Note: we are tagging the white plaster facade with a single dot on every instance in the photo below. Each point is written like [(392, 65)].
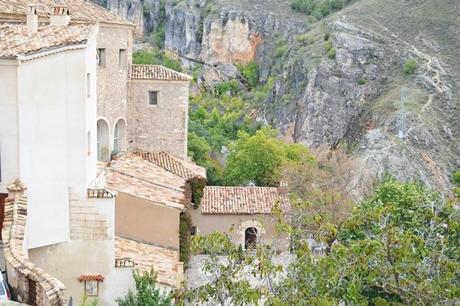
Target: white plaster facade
[(46, 118)]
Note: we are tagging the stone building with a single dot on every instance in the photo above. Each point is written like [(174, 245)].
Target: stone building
[(69, 95), (243, 213)]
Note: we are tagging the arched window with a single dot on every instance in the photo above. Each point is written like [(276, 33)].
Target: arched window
[(119, 136), (103, 151), (250, 238)]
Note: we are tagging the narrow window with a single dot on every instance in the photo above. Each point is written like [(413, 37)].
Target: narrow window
[(101, 57), (193, 231), (153, 97), (88, 139), (116, 139), (122, 58), (88, 85)]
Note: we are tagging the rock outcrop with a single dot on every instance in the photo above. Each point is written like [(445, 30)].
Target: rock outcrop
[(360, 98)]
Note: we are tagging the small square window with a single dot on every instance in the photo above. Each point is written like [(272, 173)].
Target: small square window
[(91, 287), (101, 57), (193, 231), (122, 58), (153, 97)]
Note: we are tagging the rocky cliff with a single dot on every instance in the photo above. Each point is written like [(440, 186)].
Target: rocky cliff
[(356, 96)]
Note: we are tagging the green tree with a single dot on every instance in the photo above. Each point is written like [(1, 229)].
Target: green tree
[(155, 56), (259, 158), (146, 294), (400, 246)]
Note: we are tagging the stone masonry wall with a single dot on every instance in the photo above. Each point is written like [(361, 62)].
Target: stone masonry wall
[(112, 79), (161, 127), (23, 275), (86, 223)]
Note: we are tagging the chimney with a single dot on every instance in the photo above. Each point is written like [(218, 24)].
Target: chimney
[(32, 19), (60, 16)]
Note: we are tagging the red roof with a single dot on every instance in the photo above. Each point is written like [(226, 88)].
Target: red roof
[(180, 168), (243, 200), (91, 277)]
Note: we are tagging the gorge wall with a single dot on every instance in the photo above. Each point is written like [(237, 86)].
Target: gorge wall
[(351, 99)]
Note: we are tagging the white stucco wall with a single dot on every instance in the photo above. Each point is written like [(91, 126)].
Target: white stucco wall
[(9, 161), (46, 116)]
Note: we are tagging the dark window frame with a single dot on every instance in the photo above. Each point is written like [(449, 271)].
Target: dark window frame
[(153, 97)]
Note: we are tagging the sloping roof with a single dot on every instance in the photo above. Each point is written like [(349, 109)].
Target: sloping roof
[(156, 72), (179, 167), (80, 11), (243, 200), (15, 41), (147, 256), (136, 176)]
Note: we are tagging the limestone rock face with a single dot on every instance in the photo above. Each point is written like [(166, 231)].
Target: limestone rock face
[(351, 99)]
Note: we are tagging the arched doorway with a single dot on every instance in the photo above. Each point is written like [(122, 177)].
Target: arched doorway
[(119, 136), (103, 151), (250, 238)]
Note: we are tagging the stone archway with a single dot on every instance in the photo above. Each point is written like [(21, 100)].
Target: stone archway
[(256, 230), (250, 238), (119, 136), (103, 144)]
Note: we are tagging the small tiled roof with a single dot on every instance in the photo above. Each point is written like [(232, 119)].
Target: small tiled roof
[(243, 200), (136, 176), (80, 11), (156, 72), (91, 277), (146, 256), (15, 41), (181, 168)]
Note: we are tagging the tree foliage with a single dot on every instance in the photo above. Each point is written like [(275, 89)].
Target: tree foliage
[(259, 158), (318, 8), (410, 66), (155, 56), (400, 246), (146, 294)]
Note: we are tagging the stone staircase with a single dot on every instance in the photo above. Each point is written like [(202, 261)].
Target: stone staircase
[(86, 222)]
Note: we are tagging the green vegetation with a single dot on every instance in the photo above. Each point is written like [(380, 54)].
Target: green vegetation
[(362, 81), (331, 53), (260, 157), (250, 72), (410, 66), (86, 301), (185, 228), (456, 181), (318, 8), (399, 246), (155, 56), (216, 119), (146, 294)]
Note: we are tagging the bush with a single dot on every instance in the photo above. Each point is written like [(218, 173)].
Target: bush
[(147, 293), (250, 72), (456, 178), (280, 51), (155, 56), (185, 227), (331, 53), (362, 81), (318, 8), (410, 66), (328, 45)]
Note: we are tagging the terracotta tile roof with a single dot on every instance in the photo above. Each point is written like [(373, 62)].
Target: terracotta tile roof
[(147, 256), (242, 200), (91, 277), (136, 176), (15, 41), (179, 167), (80, 11), (156, 72)]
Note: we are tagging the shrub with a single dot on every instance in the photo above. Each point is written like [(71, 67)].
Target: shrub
[(331, 53), (185, 227), (326, 36), (155, 56), (362, 81), (456, 178), (410, 66), (250, 72), (227, 87), (327, 45), (281, 51)]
